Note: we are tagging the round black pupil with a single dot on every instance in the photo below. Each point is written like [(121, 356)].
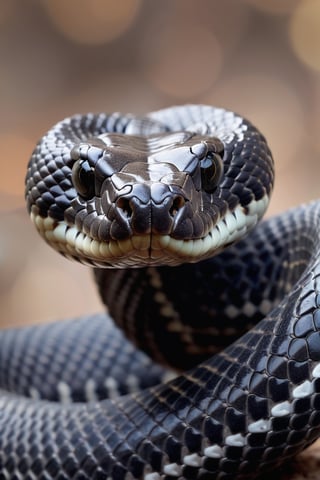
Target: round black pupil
[(85, 173), (208, 173), (85, 181), (208, 167)]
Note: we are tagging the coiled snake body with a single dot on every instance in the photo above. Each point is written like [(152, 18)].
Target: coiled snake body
[(166, 193)]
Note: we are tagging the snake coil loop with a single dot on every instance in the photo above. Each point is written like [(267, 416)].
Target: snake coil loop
[(150, 202)]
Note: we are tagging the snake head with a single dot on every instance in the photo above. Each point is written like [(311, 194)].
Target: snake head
[(118, 199)]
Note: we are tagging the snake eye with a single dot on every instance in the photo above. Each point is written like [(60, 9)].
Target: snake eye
[(211, 170), (83, 179)]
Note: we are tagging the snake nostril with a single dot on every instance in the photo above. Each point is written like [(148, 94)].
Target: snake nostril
[(177, 204), (124, 205)]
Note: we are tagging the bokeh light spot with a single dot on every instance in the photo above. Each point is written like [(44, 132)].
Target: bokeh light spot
[(272, 105), (37, 280), (92, 22), (7, 11), (184, 62), (15, 153), (304, 31), (275, 7)]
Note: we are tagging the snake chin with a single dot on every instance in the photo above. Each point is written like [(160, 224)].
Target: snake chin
[(149, 250)]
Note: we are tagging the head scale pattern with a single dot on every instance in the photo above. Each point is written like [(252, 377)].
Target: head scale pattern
[(117, 190)]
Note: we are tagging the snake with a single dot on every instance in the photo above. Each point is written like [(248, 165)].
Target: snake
[(206, 363)]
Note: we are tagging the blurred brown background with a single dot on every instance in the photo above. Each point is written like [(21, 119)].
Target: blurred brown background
[(257, 57)]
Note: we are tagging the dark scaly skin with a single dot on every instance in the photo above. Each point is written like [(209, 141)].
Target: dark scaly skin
[(147, 182), (243, 411)]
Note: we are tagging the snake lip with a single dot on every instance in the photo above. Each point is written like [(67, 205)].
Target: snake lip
[(141, 250)]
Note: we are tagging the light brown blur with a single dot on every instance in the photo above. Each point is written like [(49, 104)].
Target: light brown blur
[(259, 58)]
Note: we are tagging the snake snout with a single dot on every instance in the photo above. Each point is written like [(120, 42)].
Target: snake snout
[(148, 210), (128, 206)]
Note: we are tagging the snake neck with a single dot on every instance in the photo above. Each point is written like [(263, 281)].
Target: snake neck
[(180, 316)]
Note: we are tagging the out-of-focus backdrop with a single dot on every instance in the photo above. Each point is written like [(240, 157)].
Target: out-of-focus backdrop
[(260, 58)]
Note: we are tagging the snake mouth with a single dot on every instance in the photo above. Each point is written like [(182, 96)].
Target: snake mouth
[(149, 250)]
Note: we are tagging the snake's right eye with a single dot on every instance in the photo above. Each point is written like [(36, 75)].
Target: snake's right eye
[(83, 179), (211, 171)]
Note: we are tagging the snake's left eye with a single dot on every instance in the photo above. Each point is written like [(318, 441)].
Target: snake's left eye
[(211, 171), (83, 179)]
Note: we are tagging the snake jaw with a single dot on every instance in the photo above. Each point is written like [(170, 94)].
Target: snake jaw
[(149, 250)]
